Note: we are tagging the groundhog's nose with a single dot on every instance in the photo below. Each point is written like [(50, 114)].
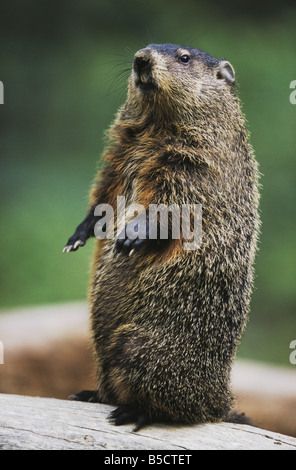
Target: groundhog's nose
[(143, 71), (142, 63)]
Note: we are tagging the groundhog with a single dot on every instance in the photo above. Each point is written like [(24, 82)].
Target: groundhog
[(166, 321)]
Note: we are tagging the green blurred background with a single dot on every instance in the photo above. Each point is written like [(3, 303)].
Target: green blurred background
[(64, 65)]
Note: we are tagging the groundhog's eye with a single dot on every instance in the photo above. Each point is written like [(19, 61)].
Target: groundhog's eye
[(185, 59)]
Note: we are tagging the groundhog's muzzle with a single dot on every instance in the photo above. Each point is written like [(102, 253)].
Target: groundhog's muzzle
[(143, 67)]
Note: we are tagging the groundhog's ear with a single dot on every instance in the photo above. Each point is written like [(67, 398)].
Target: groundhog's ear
[(225, 71)]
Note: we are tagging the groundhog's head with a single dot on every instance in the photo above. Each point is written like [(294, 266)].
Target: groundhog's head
[(174, 78)]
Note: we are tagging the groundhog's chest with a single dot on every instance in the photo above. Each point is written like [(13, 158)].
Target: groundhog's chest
[(161, 173)]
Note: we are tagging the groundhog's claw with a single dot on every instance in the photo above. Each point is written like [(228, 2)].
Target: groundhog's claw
[(84, 395), (74, 247), (128, 246), (128, 413)]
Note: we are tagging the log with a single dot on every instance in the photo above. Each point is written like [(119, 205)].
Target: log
[(34, 423)]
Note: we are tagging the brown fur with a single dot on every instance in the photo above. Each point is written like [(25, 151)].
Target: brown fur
[(166, 323)]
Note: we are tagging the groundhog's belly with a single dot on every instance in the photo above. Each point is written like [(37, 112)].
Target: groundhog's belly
[(128, 289)]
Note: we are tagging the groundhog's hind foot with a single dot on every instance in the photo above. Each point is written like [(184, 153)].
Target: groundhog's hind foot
[(85, 395), (239, 418), (127, 414)]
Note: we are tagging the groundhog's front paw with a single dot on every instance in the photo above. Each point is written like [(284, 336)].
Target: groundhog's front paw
[(129, 246), (82, 233), (74, 242)]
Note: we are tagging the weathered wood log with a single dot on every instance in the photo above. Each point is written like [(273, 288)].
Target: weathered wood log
[(33, 423)]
